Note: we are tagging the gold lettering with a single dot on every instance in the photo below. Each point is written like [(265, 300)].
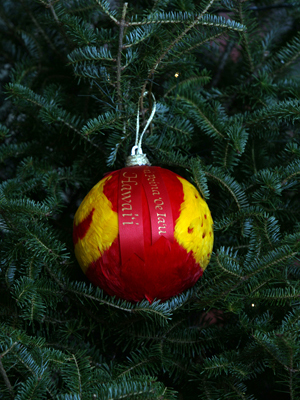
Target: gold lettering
[(161, 220), (159, 204), (160, 231), (125, 174), (125, 187), (125, 199), (128, 223), (129, 178), (161, 215), (126, 195), (159, 200), (126, 207), (134, 182)]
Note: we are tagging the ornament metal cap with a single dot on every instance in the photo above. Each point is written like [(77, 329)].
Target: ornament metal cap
[(138, 158)]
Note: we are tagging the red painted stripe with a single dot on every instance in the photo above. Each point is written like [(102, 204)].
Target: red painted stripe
[(81, 229)]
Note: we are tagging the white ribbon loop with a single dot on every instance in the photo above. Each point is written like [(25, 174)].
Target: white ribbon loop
[(137, 156), (138, 140), (133, 151)]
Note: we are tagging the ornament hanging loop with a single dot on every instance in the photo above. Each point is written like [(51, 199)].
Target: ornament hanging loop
[(136, 150), (137, 156)]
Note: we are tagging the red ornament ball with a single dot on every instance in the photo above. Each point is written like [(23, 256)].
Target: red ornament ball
[(143, 233)]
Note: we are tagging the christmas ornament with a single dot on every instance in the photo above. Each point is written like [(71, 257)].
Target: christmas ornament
[(143, 232)]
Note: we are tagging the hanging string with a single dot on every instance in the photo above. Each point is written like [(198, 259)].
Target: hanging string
[(137, 156)]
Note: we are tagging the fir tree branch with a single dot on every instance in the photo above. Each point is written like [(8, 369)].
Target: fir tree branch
[(295, 56), (279, 294), (186, 18), (78, 374), (227, 270), (146, 361), (265, 228), (253, 158), (226, 155), (50, 5), (286, 65), (6, 379), (57, 114), (207, 121), (286, 110), (60, 25), (90, 53), (178, 39), (118, 306), (261, 8), (119, 66), (272, 263), (221, 181), (107, 12), (263, 344), (287, 178), (222, 63), (156, 3), (79, 10), (12, 31), (208, 39), (191, 80), (245, 37), (40, 29)]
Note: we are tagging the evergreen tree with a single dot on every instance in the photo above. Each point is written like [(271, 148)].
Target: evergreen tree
[(225, 75)]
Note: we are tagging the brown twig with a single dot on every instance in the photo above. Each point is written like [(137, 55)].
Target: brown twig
[(60, 25), (6, 380), (119, 67), (38, 26)]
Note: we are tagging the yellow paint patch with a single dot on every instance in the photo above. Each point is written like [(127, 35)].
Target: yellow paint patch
[(194, 227), (103, 229)]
